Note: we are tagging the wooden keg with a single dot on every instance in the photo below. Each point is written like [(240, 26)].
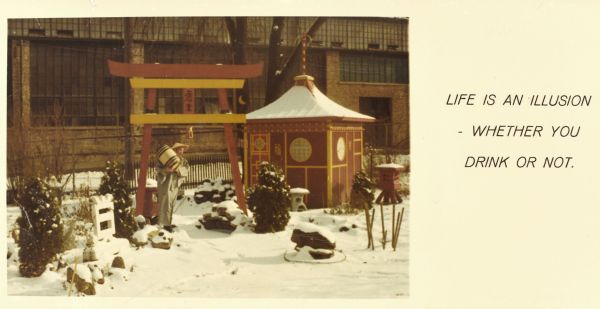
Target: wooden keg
[(168, 158)]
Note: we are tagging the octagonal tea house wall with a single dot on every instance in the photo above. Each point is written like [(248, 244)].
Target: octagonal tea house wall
[(316, 142)]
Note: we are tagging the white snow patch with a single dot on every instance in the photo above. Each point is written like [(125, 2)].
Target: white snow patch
[(165, 238), (303, 253), (151, 183), (83, 272), (140, 219), (141, 236), (201, 258)]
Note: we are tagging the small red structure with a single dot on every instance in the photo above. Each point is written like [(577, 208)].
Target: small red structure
[(316, 142), (389, 183)]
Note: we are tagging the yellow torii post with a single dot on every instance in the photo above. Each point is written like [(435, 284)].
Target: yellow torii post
[(186, 76)]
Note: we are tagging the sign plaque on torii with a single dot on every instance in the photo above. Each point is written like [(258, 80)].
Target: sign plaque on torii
[(187, 77)]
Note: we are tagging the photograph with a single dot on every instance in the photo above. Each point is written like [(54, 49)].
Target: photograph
[(208, 156)]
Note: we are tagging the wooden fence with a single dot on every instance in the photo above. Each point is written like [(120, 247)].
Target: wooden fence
[(202, 166)]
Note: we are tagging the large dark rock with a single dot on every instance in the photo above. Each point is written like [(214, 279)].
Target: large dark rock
[(218, 223), (204, 192), (118, 262), (321, 254), (81, 284), (224, 217), (312, 239)]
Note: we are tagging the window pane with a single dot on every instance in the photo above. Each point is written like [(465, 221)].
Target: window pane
[(373, 68)]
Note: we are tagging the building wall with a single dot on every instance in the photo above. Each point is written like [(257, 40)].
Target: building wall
[(349, 94), (168, 39)]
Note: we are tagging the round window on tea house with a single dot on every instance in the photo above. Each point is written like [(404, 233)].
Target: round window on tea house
[(300, 149), (341, 149)]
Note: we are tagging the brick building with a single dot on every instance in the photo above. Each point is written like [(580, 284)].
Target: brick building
[(58, 77)]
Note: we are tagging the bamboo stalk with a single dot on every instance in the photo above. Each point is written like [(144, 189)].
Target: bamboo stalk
[(371, 231), (393, 221), (368, 220), (397, 230), (383, 231), (395, 235), (72, 279)]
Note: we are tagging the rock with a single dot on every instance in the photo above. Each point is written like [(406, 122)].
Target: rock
[(308, 234), (97, 275), (229, 194), (321, 254), (199, 198), (118, 262), (141, 221), (15, 234), (344, 229), (216, 198), (89, 254), (154, 220), (62, 263), (161, 240), (226, 217), (10, 248), (218, 223), (82, 279), (203, 192), (140, 237)]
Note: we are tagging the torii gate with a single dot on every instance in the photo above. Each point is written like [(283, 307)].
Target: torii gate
[(186, 76)]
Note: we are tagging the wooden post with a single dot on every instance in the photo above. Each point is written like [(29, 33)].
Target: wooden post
[(231, 151), (146, 143)]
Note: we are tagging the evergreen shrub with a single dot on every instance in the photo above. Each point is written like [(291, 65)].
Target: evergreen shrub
[(269, 200), (113, 182), (40, 227)]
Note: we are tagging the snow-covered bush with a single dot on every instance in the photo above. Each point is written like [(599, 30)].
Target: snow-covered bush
[(269, 200), (362, 191), (114, 182), (41, 228)]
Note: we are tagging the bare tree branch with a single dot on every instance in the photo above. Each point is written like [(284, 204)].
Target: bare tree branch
[(273, 83), (276, 76)]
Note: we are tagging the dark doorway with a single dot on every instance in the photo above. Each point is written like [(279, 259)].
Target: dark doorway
[(379, 133)]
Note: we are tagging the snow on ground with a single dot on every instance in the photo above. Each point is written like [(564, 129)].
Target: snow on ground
[(203, 263)]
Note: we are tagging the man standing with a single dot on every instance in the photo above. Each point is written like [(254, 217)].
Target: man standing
[(169, 181)]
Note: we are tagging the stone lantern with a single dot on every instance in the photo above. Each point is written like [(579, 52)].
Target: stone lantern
[(389, 183)]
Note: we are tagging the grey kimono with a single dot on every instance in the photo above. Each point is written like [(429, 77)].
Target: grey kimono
[(168, 186)]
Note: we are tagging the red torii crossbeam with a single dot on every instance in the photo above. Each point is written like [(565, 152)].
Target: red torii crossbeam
[(185, 76)]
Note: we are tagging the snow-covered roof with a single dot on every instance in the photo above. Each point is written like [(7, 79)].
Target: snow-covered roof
[(305, 100)]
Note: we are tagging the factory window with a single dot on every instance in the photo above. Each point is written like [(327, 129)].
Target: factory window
[(374, 68), (71, 86)]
